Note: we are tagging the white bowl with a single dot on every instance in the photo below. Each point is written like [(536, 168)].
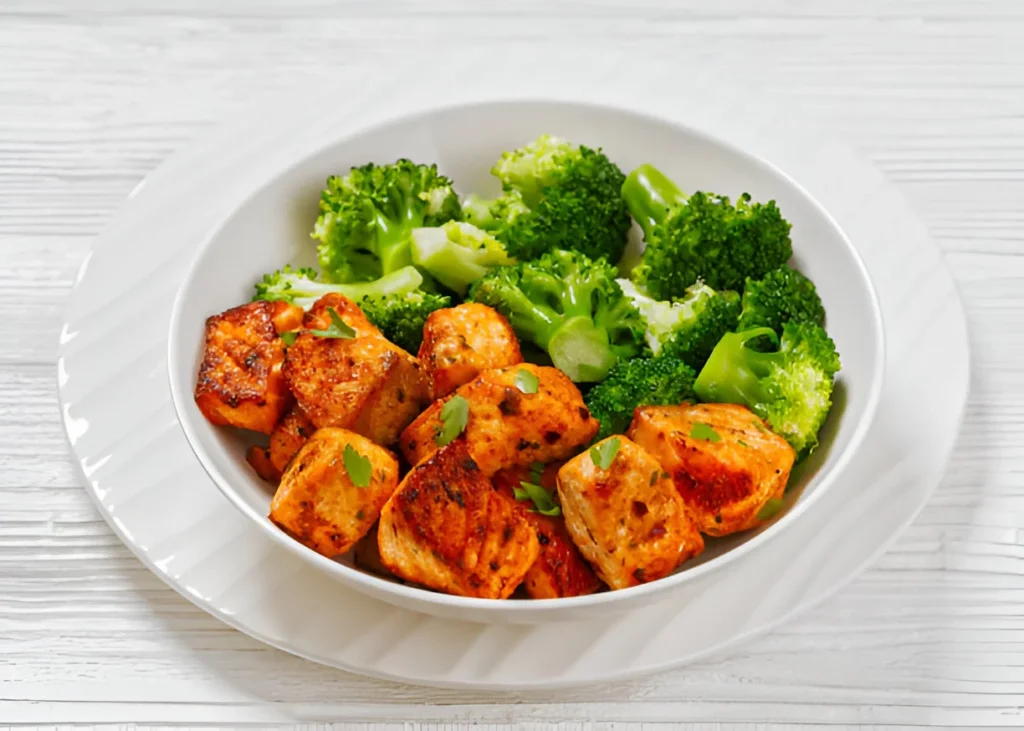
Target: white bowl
[(272, 227)]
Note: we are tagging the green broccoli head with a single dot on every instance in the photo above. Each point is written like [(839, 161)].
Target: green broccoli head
[(571, 307), (366, 217), (686, 328), (790, 387), (701, 237), (556, 195), (400, 317), (782, 295), (301, 286), (456, 254), (658, 381)]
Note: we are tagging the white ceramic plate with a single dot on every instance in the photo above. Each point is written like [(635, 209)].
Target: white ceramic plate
[(121, 425)]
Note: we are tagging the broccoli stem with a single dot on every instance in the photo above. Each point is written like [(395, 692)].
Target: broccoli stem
[(649, 195), (581, 350), (733, 373)]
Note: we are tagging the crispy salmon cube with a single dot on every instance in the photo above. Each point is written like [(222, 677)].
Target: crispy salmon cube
[(321, 503), (240, 382), (460, 342), (288, 437), (560, 570), (259, 459), (361, 383), (448, 529), (627, 519), (508, 427), (725, 463)]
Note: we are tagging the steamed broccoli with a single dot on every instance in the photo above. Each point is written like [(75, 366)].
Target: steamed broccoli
[(400, 317), (639, 382), (687, 328), (556, 195), (791, 387), (457, 254), (701, 237), (782, 295), (569, 305), (301, 287), (366, 217)]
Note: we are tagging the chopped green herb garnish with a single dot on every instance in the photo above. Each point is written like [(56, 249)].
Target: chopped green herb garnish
[(357, 466), (536, 470), (338, 329), (289, 337), (543, 501), (654, 478), (770, 509), (526, 382), (705, 432), (603, 454), (760, 426), (742, 443), (454, 415), (360, 515)]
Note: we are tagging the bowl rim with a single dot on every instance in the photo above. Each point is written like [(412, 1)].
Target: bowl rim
[(372, 585)]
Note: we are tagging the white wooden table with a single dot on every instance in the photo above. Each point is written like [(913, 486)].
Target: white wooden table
[(95, 93)]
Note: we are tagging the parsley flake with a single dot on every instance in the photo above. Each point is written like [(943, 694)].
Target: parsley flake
[(770, 509), (357, 466), (603, 454), (705, 432), (526, 382), (454, 415), (543, 501), (289, 337), (338, 329)]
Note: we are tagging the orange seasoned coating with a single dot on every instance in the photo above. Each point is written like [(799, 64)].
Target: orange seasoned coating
[(726, 470), (363, 383), (318, 502), (240, 381), (259, 459), (507, 427), (448, 529), (460, 342), (627, 520), (288, 437), (560, 570)]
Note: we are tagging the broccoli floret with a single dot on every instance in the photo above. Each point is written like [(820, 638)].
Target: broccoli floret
[(366, 217), (457, 254), (639, 382), (400, 317), (569, 305), (556, 195), (783, 294), (790, 387), (701, 237), (301, 287), (687, 328)]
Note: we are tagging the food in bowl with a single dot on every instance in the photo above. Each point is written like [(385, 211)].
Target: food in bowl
[(481, 397)]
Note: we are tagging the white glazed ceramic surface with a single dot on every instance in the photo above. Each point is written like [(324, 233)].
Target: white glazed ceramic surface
[(272, 227), (138, 466)]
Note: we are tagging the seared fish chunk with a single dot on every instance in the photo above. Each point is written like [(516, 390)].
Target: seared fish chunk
[(627, 520), (560, 570), (448, 529), (259, 459), (288, 437), (363, 383), (460, 342), (508, 426), (240, 381), (723, 459), (325, 506)]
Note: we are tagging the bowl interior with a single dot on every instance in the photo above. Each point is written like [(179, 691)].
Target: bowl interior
[(271, 228)]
